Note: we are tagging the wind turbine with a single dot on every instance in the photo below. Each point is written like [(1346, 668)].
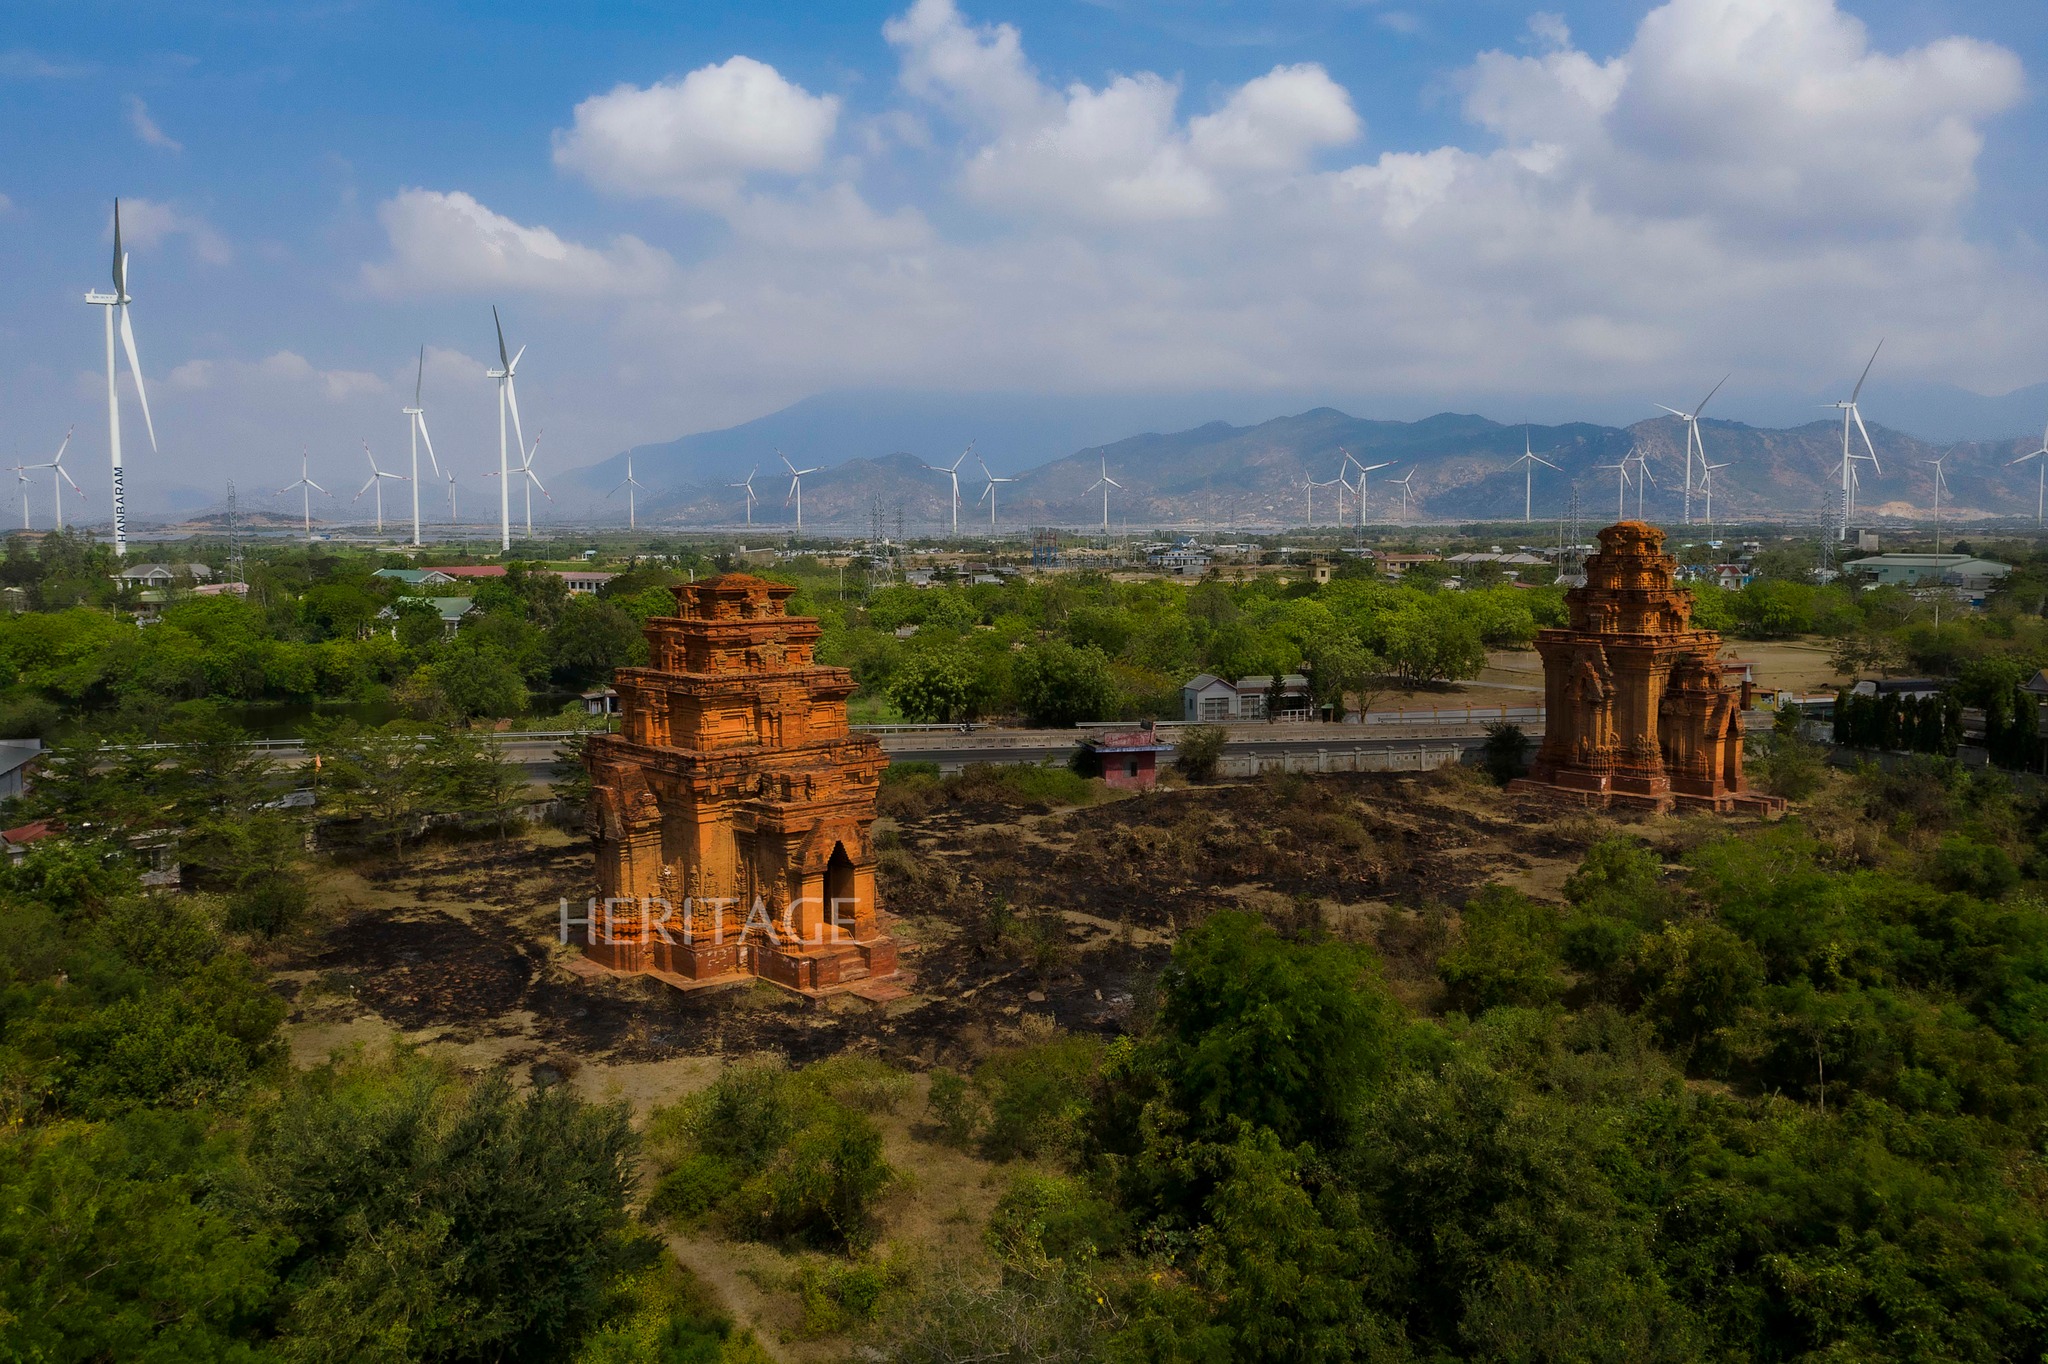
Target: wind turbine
[(508, 397), (59, 476), (952, 471), (2041, 482), (451, 497), (1643, 479), (1403, 482), (1621, 486), (419, 433), (748, 484), (1105, 483), (1363, 470), (1529, 460), (796, 487), (1940, 486), (531, 480), (631, 485), (376, 480), (21, 487), (1850, 412), (307, 487), (117, 302), (1707, 486), (1311, 485), (990, 491), (1693, 439)]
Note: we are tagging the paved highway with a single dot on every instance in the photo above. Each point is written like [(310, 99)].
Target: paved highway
[(1390, 740)]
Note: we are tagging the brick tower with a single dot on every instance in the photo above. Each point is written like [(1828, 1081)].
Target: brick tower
[(733, 811), (1636, 709)]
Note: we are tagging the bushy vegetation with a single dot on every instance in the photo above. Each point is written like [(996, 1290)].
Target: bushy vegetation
[(912, 789), (790, 1156), (312, 628), (170, 1190), (1778, 1099)]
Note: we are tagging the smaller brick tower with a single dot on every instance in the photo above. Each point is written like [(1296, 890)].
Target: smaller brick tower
[(1635, 707), (733, 812)]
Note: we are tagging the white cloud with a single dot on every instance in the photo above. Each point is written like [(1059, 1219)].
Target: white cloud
[(450, 243), (698, 138), (146, 128), (283, 370), (148, 223), (1114, 154), (1595, 234), (1770, 116), (1276, 122)]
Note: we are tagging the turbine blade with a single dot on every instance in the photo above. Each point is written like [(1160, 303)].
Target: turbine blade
[(512, 401), (1711, 392), (135, 368), (419, 378), (504, 361), (120, 256), (1857, 413), (421, 418), (1866, 371), (1682, 416)]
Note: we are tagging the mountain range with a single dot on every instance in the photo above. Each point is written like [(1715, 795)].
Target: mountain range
[(1218, 474)]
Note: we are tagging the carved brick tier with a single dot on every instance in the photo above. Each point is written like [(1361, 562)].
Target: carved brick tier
[(1636, 709), (736, 798)]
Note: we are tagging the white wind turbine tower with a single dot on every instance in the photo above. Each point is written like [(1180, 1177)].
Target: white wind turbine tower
[(59, 476), (631, 485), (307, 487), (1529, 460), (419, 433), (990, 491), (1693, 439), (1105, 483), (21, 488), (1621, 486), (748, 484), (376, 480), (796, 487), (451, 497), (1850, 412), (117, 302), (1403, 482), (952, 472), (2041, 482), (1363, 470), (508, 397)]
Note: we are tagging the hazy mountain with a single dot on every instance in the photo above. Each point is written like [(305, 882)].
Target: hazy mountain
[(1255, 475)]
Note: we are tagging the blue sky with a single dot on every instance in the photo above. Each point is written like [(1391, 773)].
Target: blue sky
[(696, 213)]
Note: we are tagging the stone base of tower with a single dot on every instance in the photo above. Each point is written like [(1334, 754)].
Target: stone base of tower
[(814, 970), (1599, 790)]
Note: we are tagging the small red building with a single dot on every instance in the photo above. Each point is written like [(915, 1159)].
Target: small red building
[(1130, 759)]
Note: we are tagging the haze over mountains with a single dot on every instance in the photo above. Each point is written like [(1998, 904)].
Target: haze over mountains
[(1220, 474)]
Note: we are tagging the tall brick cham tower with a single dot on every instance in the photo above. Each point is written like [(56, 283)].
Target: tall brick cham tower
[(1636, 709), (735, 790)]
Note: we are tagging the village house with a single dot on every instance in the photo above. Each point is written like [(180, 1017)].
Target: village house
[(1209, 699)]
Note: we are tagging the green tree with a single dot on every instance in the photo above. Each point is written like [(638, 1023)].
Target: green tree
[(933, 686), (433, 1219), (1058, 684)]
